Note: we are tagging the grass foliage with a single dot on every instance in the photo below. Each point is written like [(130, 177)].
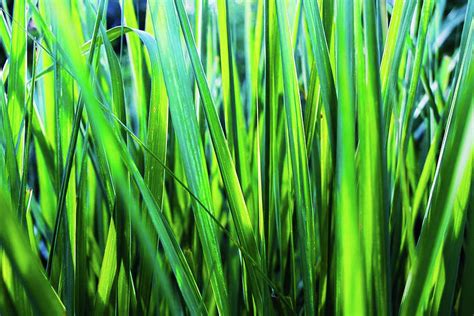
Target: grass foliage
[(237, 157)]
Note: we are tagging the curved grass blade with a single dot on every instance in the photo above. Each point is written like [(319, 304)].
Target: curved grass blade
[(25, 264)]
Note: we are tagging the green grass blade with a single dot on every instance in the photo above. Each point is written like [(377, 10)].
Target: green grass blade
[(25, 265), (17, 75), (319, 44), (373, 201), (5, 33), (350, 289)]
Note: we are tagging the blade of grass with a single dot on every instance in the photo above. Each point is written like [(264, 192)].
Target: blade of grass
[(350, 289), (373, 200), (319, 44), (25, 265), (17, 76)]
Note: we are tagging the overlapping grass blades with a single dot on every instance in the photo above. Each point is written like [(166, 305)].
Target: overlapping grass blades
[(257, 157)]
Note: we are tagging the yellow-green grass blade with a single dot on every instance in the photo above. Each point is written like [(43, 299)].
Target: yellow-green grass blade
[(445, 280), (11, 163), (350, 283), (108, 271), (5, 33), (272, 157), (122, 222), (24, 263), (319, 44), (225, 54), (157, 134), (17, 76), (66, 174), (135, 54), (407, 108), (82, 226), (467, 280), (373, 200), (392, 59), (401, 18)]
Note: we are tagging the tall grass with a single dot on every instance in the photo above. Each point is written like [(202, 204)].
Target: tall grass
[(237, 157)]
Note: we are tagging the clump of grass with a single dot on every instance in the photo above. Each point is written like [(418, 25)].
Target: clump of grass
[(237, 157)]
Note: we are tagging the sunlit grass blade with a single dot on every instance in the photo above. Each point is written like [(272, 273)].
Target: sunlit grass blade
[(17, 75), (25, 265), (455, 153), (373, 201), (236, 157), (350, 287), (319, 44)]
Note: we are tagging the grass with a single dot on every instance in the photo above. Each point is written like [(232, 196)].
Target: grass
[(237, 157)]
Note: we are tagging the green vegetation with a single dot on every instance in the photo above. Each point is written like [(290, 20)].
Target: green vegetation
[(237, 157)]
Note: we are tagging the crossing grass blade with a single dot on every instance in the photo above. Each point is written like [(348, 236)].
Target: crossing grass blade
[(319, 44), (25, 265), (455, 155), (240, 215), (306, 217), (191, 148)]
